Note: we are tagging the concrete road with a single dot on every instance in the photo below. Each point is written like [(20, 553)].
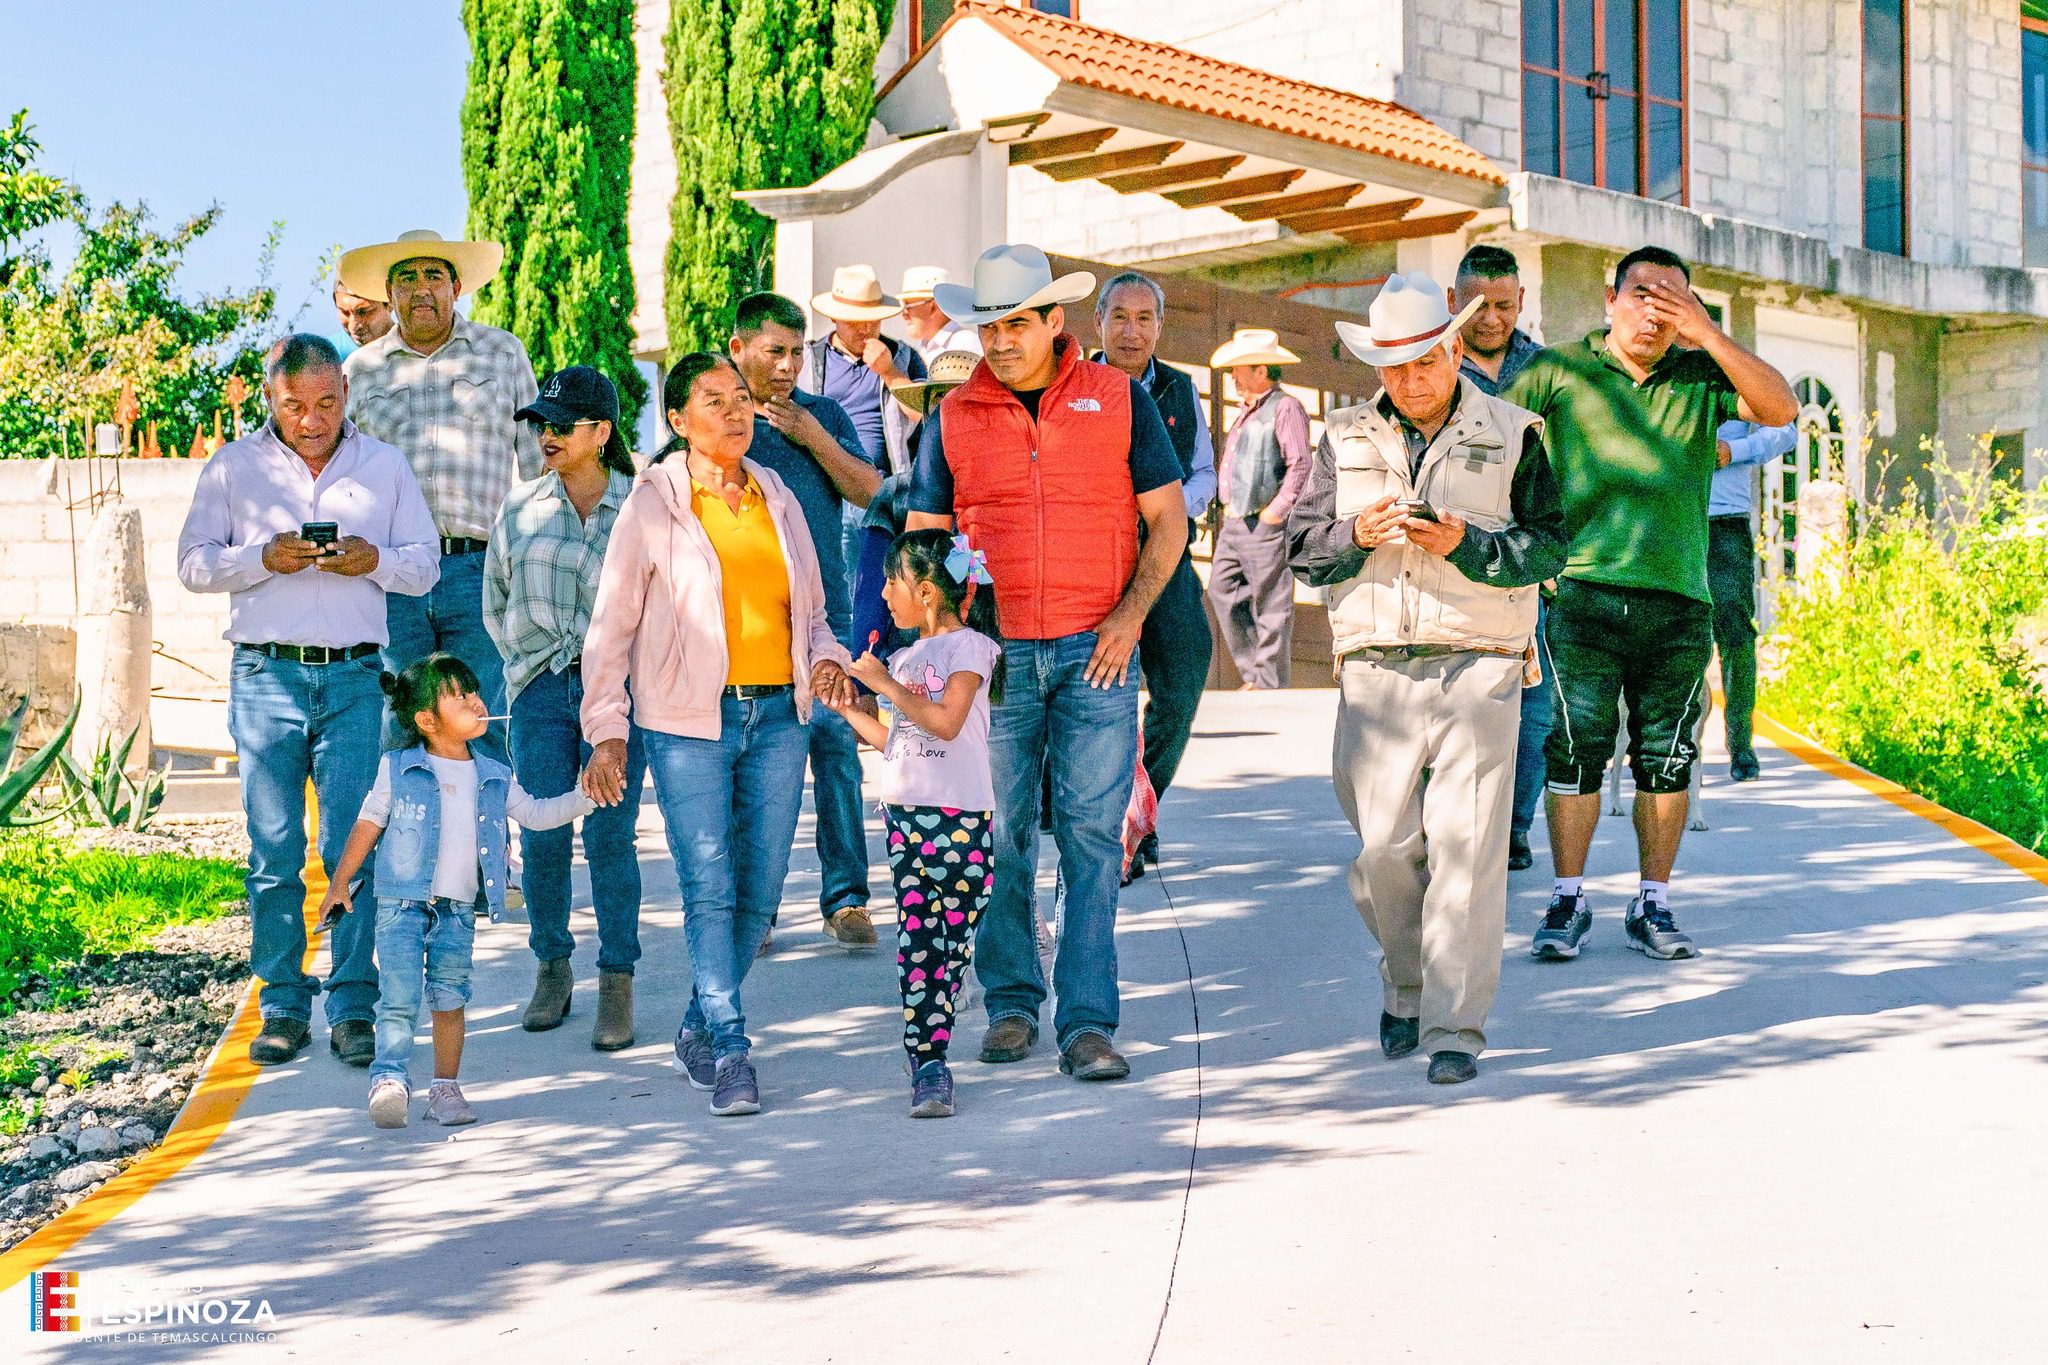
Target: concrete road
[(1818, 1142)]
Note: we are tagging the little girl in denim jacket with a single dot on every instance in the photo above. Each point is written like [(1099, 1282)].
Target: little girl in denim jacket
[(433, 871)]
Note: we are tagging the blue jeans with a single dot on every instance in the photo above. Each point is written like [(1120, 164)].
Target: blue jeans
[(291, 721), (548, 753), (1050, 720), (424, 948), (730, 805), (1529, 764), (450, 618), (842, 834)]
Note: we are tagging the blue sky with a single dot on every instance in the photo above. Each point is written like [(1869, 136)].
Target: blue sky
[(340, 118)]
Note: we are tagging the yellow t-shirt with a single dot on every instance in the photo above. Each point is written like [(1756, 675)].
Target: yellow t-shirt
[(755, 586)]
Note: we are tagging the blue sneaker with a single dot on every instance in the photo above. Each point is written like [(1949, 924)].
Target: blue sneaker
[(931, 1092), (735, 1091), (694, 1059)]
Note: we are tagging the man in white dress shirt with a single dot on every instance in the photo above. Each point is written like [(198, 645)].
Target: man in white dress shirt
[(307, 525)]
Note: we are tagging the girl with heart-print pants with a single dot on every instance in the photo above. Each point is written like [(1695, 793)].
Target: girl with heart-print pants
[(938, 797)]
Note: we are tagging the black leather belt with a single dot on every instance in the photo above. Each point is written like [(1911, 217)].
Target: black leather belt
[(315, 654), (754, 692), (462, 545)]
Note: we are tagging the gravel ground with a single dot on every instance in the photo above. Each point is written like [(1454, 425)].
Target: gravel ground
[(124, 1056)]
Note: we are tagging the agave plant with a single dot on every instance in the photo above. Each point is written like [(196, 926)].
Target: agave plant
[(105, 794), (16, 782)]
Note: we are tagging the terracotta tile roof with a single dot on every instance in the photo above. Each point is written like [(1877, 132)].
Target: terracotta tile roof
[(1096, 58)]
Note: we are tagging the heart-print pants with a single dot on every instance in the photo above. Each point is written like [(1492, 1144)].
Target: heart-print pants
[(942, 863)]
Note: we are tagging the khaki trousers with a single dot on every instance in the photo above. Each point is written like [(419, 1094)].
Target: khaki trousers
[(1425, 772)]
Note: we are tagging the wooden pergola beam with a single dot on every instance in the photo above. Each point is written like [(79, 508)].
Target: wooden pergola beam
[(1365, 215), (1285, 205), (1231, 191), (1408, 228), (1166, 177), (1102, 163), (1052, 148)]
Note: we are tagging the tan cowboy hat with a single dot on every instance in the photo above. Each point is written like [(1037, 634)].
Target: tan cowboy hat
[(918, 282), (856, 296), (948, 371), (1252, 346), (365, 271), (1007, 280), (1409, 318)]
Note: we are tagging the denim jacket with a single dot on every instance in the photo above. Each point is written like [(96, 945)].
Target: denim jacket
[(412, 839)]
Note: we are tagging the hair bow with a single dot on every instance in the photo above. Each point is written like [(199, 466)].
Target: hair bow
[(967, 564)]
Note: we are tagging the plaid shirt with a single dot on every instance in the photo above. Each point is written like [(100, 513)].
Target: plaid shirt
[(451, 413), (540, 575)]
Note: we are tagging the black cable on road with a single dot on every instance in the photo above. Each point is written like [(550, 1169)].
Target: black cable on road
[(1194, 1147)]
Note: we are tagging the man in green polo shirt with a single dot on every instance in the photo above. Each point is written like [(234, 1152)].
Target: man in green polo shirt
[(1630, 416)]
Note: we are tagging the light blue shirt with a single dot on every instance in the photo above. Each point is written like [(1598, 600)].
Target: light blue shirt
[(1749, 445), (1200, 486)]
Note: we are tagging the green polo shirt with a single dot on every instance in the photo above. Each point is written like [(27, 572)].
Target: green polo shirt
[(1633, 462)]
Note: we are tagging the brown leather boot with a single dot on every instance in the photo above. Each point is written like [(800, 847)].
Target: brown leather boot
[(614, 1027), (552, 983)]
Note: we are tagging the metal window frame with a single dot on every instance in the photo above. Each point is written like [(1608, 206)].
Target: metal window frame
[(1904, 118), (1568, 84)]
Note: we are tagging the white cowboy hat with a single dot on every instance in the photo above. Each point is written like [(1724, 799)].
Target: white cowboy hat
[(1008, 279), (1409, 318), (855, 296), (366, 270), (918, 282), (1252, 346), (947, 372)]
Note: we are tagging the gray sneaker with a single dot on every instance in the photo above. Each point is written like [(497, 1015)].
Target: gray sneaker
[(694, 1059), (1652, 932), (447, 1107), (389, 1099), (1564, 925), (931, 1092), (735, 1090)]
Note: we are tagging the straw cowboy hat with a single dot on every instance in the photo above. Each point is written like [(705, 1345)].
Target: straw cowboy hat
[(918, 282), (365, 270), (948, 371), (1007, 280), (1409, 318), (1252, 346), (855, 296)]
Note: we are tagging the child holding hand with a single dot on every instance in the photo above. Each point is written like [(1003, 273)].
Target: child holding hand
[(436, 821), (938, 797)]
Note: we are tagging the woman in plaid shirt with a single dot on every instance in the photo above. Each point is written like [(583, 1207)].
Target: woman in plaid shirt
[(540, 583)]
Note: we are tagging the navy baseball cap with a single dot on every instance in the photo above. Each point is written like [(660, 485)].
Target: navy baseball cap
[(577, 394)]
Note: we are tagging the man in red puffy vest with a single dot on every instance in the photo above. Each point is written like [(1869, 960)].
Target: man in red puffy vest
[(1049, 462)]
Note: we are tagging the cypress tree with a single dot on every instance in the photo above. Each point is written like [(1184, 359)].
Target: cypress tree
[(547, 154), (762, 94)]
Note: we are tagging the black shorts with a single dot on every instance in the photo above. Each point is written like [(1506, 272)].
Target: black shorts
[(1609, 645)]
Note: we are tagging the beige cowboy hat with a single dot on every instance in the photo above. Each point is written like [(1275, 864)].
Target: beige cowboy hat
[(948, 371), (365, 271), (1252, 346), (856, 296), (1007, 280), (1408, 318), (919, 280)]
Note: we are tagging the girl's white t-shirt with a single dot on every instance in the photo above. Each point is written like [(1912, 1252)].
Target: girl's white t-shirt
[(921, 770), (455, 861)]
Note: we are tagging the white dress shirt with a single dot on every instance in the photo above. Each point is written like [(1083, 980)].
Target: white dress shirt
[(951, 336), (258, 486)]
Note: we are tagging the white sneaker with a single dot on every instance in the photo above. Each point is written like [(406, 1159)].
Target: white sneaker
[(446, 1106), (389, 1100)]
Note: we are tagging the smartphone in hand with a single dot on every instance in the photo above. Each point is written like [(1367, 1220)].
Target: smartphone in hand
[(321, 533), (1418, 508)]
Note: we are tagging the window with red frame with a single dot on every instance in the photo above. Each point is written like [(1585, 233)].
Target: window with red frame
[(1887, 143), (2034, 132), (927, 17), (1603, 94)]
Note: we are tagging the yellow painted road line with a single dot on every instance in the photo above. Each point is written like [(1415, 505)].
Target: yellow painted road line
[(224, 1082)]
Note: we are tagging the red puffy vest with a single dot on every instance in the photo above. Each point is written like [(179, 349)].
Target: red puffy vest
[(1050, 502)]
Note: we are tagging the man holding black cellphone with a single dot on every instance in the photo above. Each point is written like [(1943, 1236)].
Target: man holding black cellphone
[(1430, 515), (307, 525)]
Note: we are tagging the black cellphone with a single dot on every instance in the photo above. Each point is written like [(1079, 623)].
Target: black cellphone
[(321, 533), (1419, 509)]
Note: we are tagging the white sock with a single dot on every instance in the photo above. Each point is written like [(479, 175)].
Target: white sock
[(444, 1080), (1656, 893), (1569, 887)]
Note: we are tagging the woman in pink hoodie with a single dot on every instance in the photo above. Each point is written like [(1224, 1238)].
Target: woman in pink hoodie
[(711, 614)]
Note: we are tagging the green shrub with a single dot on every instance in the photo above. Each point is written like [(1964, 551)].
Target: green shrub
[(1913, 669), (58, 904)]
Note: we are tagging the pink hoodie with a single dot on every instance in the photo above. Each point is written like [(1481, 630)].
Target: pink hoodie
[(660, 615)]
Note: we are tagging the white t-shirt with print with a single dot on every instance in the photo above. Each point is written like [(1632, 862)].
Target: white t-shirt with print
[(921, 770)]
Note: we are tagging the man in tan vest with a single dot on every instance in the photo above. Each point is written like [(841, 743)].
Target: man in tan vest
[(1430, 515)]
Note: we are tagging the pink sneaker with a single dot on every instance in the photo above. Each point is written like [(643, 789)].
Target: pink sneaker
[(389, 1100), (446, 1106)]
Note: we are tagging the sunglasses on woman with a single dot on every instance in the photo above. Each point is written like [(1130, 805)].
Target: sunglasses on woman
[(565, 429)]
